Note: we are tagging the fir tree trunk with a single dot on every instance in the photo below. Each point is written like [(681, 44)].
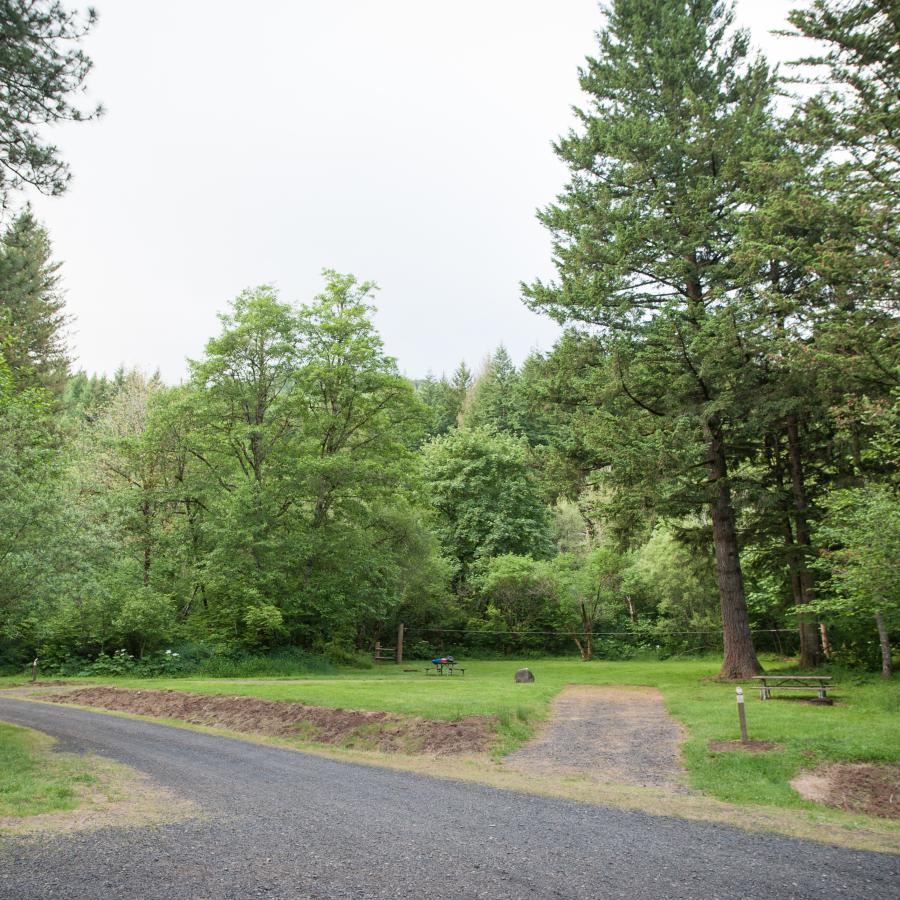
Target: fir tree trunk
[(739, 655), (809, 636), (884, 640)]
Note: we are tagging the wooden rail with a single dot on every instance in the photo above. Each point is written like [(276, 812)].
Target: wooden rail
[(395, 653)]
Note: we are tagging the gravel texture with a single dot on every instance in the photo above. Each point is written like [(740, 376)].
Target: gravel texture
[(288, 825), (621, 734)]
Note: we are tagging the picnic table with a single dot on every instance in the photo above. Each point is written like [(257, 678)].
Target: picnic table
[(817, 683), (445, 662)]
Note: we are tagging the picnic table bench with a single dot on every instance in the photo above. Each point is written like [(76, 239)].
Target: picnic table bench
[(817, 683)]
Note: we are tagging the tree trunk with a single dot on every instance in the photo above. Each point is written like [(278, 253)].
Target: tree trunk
[(145, 511), (587, 650), (809, 636), (739, 657), (884, 640), (826, 644)]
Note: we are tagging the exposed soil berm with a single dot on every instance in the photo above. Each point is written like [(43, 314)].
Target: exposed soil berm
[(854, 787), (387, 732)]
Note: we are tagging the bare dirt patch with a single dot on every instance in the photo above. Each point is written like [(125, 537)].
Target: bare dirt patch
[(854, 787), (361, 729), (749, 746), (621, 734)]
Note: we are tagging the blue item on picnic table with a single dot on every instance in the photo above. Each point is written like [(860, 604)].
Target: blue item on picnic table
[(443, 661)]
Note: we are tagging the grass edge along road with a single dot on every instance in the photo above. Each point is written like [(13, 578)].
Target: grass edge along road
[(750, 790), (42, 789)]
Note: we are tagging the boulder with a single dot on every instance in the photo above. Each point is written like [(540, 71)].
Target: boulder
[(524, 676)]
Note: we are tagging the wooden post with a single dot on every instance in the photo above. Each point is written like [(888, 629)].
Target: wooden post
[(742, 715), (34, 670), (377, 654), (399, 643)]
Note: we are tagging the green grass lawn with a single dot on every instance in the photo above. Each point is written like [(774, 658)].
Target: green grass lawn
[(34, 779), (862, 725)]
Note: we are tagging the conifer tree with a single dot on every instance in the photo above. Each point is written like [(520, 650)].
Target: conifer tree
[(461, 382), (31, 306), (492, 398), (42, 68), (643, 236)]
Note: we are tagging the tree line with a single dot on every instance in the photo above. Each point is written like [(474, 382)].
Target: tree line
[(710, 445)]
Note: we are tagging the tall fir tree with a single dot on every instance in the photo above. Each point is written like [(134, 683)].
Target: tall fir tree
[(643, 240), (32, 320), (491, 400)]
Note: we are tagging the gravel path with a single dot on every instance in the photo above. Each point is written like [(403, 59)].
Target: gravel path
[(620, 734), (287, 825)]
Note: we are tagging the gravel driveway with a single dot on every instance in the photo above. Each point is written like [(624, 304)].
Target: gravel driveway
[(288, 825), (608, 733)]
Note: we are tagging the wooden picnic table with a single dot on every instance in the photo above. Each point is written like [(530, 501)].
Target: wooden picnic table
[(817, 683)]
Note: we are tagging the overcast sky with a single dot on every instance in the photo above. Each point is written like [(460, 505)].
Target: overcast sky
[(406, 141)]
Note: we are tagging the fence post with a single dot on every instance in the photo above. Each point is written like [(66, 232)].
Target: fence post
[(34, 670), (399, 643), (742, 715)]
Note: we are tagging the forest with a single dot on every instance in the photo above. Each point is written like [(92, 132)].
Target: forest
[(707, 458)]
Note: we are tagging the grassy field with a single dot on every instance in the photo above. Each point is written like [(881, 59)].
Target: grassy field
[(863, 725), (33, 779)]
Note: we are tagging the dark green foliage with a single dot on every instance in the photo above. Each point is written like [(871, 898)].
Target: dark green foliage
[(643, 241), (42, 68), (443, 401), (709, 448), (31, 306), (485, 497)]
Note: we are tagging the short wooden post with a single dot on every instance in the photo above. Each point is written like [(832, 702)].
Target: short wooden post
[(399, 643), (742, 715), (34, 670), (377, 655)]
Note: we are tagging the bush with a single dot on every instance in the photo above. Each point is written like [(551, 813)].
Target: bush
[(120, 663), (286, 661), (191, 660)]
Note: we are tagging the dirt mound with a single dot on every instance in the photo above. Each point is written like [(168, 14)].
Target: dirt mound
[(356, 728), (854, 787)]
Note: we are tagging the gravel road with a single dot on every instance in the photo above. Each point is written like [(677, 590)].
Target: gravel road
[(609, 733), (288, 825)]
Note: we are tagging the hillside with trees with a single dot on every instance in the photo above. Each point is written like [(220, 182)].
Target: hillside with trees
[(707, 459)]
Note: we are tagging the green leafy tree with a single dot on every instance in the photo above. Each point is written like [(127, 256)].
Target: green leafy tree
[(861, 534), (29, 475), (590, 589), (296, 448), (485, 498)]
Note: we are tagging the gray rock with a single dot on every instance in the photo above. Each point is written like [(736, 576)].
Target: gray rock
[(524, 676)]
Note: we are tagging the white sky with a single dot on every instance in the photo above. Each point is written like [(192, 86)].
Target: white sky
[(405, 141)]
